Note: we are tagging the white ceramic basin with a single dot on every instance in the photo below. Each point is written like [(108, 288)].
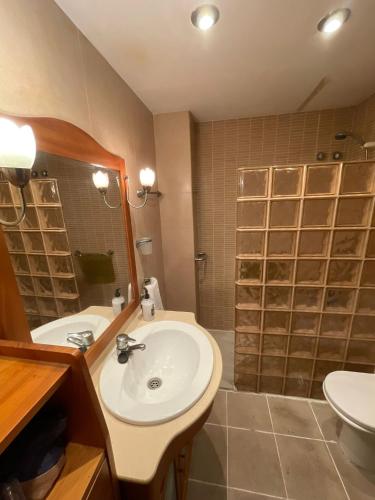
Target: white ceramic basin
[(56, 332), (177, 355)]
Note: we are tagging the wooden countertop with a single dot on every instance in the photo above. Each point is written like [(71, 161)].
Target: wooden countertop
[(24, 387), (138, 449)]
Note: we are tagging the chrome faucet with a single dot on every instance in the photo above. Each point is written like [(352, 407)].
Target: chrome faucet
[(81, 339), (124, 349)]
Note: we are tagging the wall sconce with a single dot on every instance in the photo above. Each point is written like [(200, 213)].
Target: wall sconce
[(17, 156), (147, 179), (101, 181)]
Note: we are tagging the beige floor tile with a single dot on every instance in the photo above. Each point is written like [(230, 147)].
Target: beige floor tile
[(253, 463), (204, 491), (328, 420), (209, 460), (308, 470), (218, 414), (247, 495), (249, 411), (359, 484), (294, 417)]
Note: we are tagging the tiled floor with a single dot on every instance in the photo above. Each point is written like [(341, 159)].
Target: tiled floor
[(256, 446)]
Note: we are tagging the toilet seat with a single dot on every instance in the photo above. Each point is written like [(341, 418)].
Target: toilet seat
[(352, 394)]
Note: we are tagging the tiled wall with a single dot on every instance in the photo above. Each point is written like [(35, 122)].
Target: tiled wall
[(305, 263), (224, 146), (92, 227), (364, 123)]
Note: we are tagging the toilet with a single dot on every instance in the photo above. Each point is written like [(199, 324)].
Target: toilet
[(351, 395)]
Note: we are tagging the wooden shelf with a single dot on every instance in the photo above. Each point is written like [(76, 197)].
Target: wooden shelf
[(24, 388), (81, 467)]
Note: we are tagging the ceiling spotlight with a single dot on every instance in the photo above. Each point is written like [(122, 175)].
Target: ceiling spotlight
[(205, 16), (333, 21)]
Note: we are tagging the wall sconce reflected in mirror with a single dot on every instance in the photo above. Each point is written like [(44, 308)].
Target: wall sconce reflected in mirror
[(146, 177), (147, 180), (17, 157), (101, 181)]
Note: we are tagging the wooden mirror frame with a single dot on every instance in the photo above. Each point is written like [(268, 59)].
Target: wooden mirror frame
[(64, 139)]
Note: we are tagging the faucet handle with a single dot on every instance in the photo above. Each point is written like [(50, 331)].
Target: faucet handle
[(123, 340), (126, 336), (86, 336), (78, 342)]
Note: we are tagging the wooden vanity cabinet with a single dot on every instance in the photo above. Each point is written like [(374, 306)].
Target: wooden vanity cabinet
[(178, 454), (33, 376), (101, 486)]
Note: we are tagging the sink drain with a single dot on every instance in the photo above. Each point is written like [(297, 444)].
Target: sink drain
[(154, 383)]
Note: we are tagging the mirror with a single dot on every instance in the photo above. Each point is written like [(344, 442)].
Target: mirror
[(73, 250), (69, 253)]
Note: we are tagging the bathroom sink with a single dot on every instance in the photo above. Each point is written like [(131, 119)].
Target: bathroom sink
[(164, 380), (56, 332)]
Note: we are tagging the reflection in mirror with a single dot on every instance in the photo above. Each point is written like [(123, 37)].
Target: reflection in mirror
[(70, 251)]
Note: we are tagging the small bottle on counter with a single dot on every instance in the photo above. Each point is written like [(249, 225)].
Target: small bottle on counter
[(118, 302), (148, 307)]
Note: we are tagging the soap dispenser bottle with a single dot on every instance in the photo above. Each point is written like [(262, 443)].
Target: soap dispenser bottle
[(118, 302), (148, 307)]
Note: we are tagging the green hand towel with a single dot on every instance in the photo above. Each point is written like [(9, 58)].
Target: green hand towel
[(97, 268)]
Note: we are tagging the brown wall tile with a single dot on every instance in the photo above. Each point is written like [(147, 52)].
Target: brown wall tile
[(223, 147)]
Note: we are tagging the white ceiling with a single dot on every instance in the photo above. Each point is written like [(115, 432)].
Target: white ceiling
[(263, 57)]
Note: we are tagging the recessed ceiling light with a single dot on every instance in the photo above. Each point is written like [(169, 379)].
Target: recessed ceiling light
[(334, 20), (205, 16)]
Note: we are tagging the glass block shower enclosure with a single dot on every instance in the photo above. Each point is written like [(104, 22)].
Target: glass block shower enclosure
[(305, 275), (40, 252)]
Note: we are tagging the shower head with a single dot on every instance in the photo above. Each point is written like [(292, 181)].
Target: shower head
[(342, 134)]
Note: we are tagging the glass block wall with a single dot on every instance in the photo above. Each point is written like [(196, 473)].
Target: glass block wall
[(305, 275), (40, 252)]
